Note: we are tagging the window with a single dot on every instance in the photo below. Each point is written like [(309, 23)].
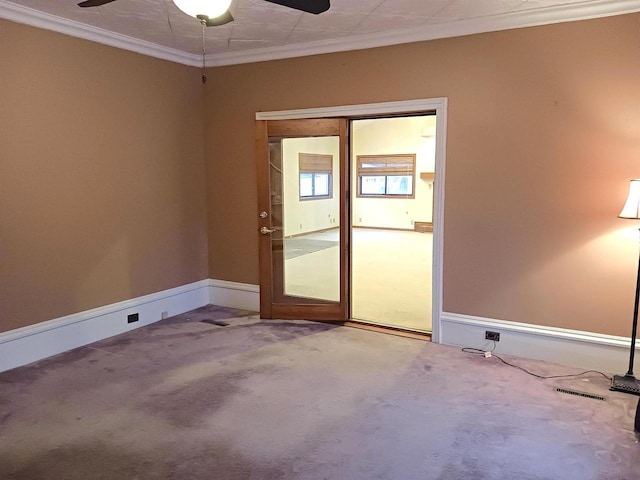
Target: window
[(316, 176), (390, 176)]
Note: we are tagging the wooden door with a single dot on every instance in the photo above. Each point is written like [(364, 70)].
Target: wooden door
[(302, 169)]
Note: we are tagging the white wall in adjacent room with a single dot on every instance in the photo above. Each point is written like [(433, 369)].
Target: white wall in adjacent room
[(394, 136)]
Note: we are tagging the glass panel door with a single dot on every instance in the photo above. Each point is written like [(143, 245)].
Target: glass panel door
[(303, 234)]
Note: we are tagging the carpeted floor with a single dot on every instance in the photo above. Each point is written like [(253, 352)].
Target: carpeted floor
[(391, 274), (298, 246), (188, 399)]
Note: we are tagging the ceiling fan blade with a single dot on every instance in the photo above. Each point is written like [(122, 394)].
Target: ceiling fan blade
[(223, 19), (94, 3), (309, 6)]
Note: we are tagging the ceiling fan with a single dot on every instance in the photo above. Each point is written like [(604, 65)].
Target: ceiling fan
[(213, 13)]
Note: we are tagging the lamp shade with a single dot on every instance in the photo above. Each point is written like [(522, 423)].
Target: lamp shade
[(631, 208), (208, 8)]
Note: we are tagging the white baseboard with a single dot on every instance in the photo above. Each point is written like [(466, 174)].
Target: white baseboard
[(28, 344), (244, 296), (575, 348), (569, 347)]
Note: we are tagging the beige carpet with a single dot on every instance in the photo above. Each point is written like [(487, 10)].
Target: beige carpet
[(391, 278)]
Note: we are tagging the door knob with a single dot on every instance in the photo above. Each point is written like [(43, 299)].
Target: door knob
[(263, 214), (265, 230)]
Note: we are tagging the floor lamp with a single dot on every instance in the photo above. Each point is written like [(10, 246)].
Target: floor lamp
[(627, 382)]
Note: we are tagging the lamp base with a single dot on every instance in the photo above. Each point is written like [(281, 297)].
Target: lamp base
[(625, 383)]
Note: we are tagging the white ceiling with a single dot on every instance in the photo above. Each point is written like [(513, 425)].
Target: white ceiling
[(263, 30)]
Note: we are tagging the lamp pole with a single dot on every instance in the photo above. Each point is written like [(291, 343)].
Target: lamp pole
[(627, 383), (634, 329)]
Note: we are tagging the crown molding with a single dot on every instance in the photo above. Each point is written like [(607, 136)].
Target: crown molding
[(507, 21), (46, 21), (544, 16)]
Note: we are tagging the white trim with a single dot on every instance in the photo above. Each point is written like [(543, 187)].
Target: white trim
[(405, 106), (506, 21), (35, 342), (234, 295), (439, 105), (519, 19), (576, 348), (438, 221), (46, 21)]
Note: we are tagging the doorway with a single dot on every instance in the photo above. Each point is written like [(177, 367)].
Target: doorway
[(290, 285), (392, 180)]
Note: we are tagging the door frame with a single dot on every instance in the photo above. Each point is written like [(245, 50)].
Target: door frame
[(439, 105)]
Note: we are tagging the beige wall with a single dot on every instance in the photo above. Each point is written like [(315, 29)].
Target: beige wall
[(543, 136), (102, 194), (102, 190)]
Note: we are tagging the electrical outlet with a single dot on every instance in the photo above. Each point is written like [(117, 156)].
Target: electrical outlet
[(132, 318), (164, 315), (495, 336)]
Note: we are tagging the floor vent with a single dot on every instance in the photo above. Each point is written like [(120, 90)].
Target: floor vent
[(578, 393), (214, 322)]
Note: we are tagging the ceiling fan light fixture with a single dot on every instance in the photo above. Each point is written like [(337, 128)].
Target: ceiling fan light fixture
[(203, 8)]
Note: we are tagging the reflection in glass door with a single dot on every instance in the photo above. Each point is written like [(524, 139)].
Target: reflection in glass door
[(305, 174)]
